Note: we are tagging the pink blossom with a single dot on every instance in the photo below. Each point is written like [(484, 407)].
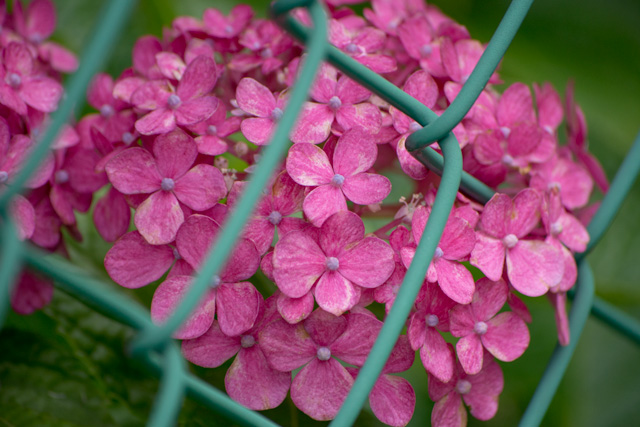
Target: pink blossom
[(418, 38), (363, 45), (346, 178), (267, 44), (31, 293), (220, 26), (170, 178), (338, 260), (212, 132), (387, 15), (387, 292), (572, 180), (257, 100)]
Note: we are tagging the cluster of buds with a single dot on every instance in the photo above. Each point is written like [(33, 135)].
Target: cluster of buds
[(176, 137)]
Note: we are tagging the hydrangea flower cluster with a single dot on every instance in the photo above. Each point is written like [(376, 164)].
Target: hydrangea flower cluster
[(30, 89), (176, 137)]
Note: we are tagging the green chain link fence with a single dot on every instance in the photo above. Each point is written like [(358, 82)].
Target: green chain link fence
[(153, 344)]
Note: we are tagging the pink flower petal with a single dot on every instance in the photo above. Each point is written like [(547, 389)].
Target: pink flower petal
[(254, 98), (489, 299), (314, 124), (525, 214), (199, 78), (294, 310), (298, 262), (195, 110), (392, 400), (324, 86), (507, 337), (335, 294), (257, 130), (436, 357), (515, 105), (351, 92), (24, 216), (469, 350), (41, 20), (488, 255), (324, 328), (485, 389), (320, 388), (251, 382), (133, 263), (175, 153), (366, 188), (31, 293), (212, 348), (354, 345), (158, 121), (323, 202), (364, 116), (340, 230), (458, 239), (534, 266), (42, 94), (286, 347), (354, 153), (494, 219), (308, 165), (201, 187), (159, 217), (455, 280), (369, 263), (449, 411)]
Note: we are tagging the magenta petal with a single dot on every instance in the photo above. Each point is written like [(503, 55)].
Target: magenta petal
[(366, 188), (158, 121), (573, 233), (324, 328), (515, 105), (175, 153), (364, 116), (166, 299), (314, 124), (408, 163), (436, 356), (455, 280), (31, 293), (525, 214), (458, 239), (320, 388), (211, 349), (534, 266), (112, 215), (199, 78), (294, 310), (354, 153), (251, 382), (449, 411), (323, 202), (485, 390), (201, 187), (507, 337), (494, 219), (488, 255), (257, 130), (255, 98), (159, 217), (134, 171), (353, 346), (392, 400), (42, 94), (195, 110), (195, 238), (340, 230), (133, 263), (237, 306), (286, 347), (369, 263), (298, 262), (308, 165), (469, 349), (336, 294), (489, 299), (24, 216)]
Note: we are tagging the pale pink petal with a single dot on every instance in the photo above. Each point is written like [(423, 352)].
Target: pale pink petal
[(421, 86), (166, 299), (195, 110), (515, 105), (308, 165), (237, 305), (369, 263), (573, 233), (488, 255), (354, 153), (408, 163), (458, 239), (175, 153), (485, 390), (158, 121), (24, 216), (455, 280), (341, 229), (201, 187), (436, 357), (487, 148), (469, 350), (199, 78), (364, 116), (534, 266), (212, 348), (494, 219), (559, 303), (525, 214), (366, 188), (294, 310), (171, 65), (298, 262), (286, 347), (449, 411), (257, 130), (354, 345), (132, 262), (335, 294), (320, 388), (323, 202), (313, 125), (159, 217), (211, 145), (41, 20), (507, 337), (392, 400), (254, 98), (489, 299), (251, 382), (42, 94)]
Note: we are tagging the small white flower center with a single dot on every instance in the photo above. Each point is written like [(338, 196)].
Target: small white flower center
[(13, 80), (247, 341), (508, 160), (228, 29), (176, 254), (351, 48), (432, 320), (62, 176), (510, 240), (332, 263), (266, 53), (548, 129), (505, 131), (107, 111), (480, 328), (438, 253), (426, 50), (128, 138), (4, 177), (556, 228), (174, 101), (212, 130), (415, 126), (335, 103), (276, 114), (463, 387), (215, 282), (167, 184), (323, 353), (275, 217), (337, 180)]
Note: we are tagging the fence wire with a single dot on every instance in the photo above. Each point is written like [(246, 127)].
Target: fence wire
[(153, 344)]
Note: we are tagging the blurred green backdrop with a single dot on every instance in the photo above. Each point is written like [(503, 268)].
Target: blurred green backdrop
[(66, 365)]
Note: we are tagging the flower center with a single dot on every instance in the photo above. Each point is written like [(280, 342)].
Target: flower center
[(414, 127), (174, 101), (212, 130), (480, 328), (337, 180), (176, 254), (351, 48), (215, 282), (247, 341), (167, 184), (335, 103), (228, 29), (107, 111), (438, 253), (332, 263), (276, 114), (432, 320), (426, 50), (323, 353), (507, 160), (510, 240), (505, 131), (13, 80), (128, 138), (556, 228), (62, 176), (275, 217), (266, 53), (463, 387)]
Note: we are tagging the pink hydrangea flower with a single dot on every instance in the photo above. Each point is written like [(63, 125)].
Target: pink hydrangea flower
[(31, 293), (267, 43), (346, 178), (533, 266), (220, 26), (572, 180), (212, 133), (257, 100), (338, 260), (170, 176), (418, 38), (364, 45)]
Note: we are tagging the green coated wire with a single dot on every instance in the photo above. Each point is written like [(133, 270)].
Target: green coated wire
[(10, 263), (172, 388), (155, 336), (617, 319), (113, 18), (561, 357)]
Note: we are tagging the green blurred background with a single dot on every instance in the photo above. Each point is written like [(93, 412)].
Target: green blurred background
[(67, 365)]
